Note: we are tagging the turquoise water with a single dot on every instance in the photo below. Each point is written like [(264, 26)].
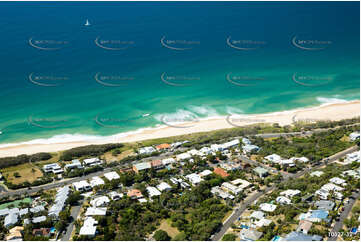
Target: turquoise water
[(263, 71)]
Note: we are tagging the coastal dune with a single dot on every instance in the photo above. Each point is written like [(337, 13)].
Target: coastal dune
[(331, 112)]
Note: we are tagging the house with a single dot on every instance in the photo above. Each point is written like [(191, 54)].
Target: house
[(37, 209), (304, 226), (353, 173), (111, 175), (88, 228), (317, 173), (263, 222), (146, 150), (246, 141), (205, 173), (322, 193), (216, 147), (15, 233), (261, 172), (243, 184), (93, 211), (231, 188), (60, 199), (300, 159), (152, 191), (54, 168), (96, 181), (45, 232), (267, 207), (231, 166), (290, 193), (168, 161), (141, 167), (92, 161), (315, 216), (331, 187), (257, 215), (287, 162), (325, 205), (156, 164), (100, 201), (220, 172), (11, 219), (355, 156), (250, 148), (115, 196), (354, 136), (194, 178), (206, 151), (164, 146), (23, 211), (230, 144), (338, 181), (38, 219), (283, 200), (183, 156), (75, 164), (163, 186), (134, 194), (274, 158), (297, 236), (220, 193), (250, 234), (82, 186)]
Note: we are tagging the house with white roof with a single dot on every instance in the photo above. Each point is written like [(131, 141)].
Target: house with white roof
[(11, 219), (37, 209), (300, 159), (94, 211), (100, 201), (230, 144), (194, 178), (183, 156), (54, 168), (146, 150), (317, 173), (267, 207), (290, 193), (263, 222), (168, 161), (323, 194), (231, 188), (163, 186), (60, 199), (216, 147), (353, 173), (96, 181), (221, 193), (246, 141), (243, 184), (355, 156), (38, 219), (331, 187), (95, 161), (354, 136), (338, 181), (250, 148), (274, 158), (152, 191), (205, 173), (88, 228), (82, 186), (283, 200), (206, 151), (111, 175), (75, 164), (257, 215), (115, 196)]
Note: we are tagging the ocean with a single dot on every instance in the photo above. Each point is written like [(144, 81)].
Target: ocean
[(144, 64)]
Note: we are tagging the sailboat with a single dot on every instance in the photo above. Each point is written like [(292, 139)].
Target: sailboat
[(87, 23), (146, 115)]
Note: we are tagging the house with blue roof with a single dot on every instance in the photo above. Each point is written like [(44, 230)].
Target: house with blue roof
[(297, 236), (315, 216)]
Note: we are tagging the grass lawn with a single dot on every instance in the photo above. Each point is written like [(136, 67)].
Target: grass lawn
[(227, 215), (26, 171), (109, 156), (16, 203), (166, 226)]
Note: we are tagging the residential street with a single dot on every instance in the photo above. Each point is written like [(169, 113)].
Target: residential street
[(74, 214), (343, 216)]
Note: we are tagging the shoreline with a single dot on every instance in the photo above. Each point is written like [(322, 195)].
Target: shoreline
[(326, 111)]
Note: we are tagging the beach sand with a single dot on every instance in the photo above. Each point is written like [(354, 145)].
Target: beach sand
[(332, 112)]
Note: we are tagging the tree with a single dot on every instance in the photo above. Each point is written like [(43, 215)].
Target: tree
[(74, 198), (229, 237), (180, 237), (161, 235)]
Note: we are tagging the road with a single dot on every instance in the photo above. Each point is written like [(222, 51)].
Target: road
[(248, 201), (74, 214), (343, 216)]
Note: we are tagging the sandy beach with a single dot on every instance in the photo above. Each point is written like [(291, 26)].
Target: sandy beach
[(332, 112)]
